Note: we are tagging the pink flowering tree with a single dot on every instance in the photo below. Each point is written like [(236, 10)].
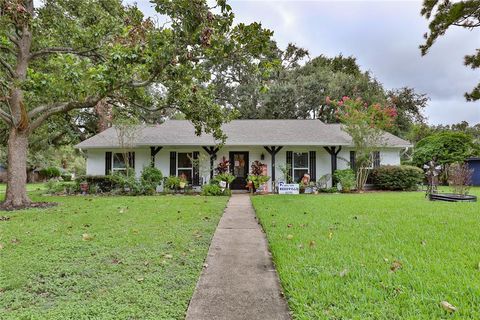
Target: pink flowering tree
[(365, 124)]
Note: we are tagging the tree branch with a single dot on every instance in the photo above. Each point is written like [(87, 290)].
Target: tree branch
[(7, 49), (6, 117), (14, 40), (8, 67), (46, 111), (139, 84), (60, 50)]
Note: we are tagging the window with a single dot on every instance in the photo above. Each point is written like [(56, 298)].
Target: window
[(374, 160), (300, 165), (184, 165), (118, 162)]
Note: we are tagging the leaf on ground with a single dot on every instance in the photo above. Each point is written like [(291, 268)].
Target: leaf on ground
[(343, 273), (424, 242), (1, 246), (87, 237), (330, 235), (311, 244), (205, 265), (140, 279), (4, 218), (168, 256), (289, 225), (290, 237), (15, 241), (396, 265), (448, 307)]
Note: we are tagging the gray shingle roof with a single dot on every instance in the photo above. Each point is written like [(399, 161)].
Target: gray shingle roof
[(239, 133)]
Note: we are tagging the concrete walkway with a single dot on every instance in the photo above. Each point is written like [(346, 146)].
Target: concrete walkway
[(239, 281)]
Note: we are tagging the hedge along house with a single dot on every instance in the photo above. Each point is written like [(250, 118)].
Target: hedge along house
[(308, 146)]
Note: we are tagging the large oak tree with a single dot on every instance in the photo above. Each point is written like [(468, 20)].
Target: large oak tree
[(68, 55), (444, 14)]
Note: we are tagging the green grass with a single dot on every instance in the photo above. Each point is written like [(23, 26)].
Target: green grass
[(334, 255), (143, 261), (30, 187)]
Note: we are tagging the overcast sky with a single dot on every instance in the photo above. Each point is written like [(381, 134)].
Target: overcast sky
[(384, 37)]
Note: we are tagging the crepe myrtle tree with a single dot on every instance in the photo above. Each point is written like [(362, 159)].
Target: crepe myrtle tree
[(365, 124), (68, 55)]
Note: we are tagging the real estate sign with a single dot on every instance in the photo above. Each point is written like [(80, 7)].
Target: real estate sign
[(288, 188)]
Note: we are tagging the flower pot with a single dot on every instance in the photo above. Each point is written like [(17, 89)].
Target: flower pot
[(84, 187), (182, 184)]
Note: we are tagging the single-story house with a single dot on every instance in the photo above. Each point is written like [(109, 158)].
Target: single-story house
[(309, 146)]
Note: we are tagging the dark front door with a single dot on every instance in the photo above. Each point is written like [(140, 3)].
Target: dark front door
[(239, 168)]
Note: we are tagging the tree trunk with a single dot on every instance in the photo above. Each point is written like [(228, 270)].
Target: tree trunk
[(16, 196)]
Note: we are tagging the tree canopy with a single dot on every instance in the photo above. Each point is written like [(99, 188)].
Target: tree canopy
[(444, 147), (68, 55), (444, 14)]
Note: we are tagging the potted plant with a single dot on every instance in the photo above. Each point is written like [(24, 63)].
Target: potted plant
[(171, 183), (301, 187), (256, 178), (182, 181), (225, 179)]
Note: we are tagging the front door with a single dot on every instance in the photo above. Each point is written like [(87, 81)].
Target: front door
[(239, 168)]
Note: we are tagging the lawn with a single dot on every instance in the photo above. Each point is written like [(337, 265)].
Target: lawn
[(105, 257), (374, 255), (30, 187)]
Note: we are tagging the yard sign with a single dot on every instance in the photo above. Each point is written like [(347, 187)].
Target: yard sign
[(288, 188)]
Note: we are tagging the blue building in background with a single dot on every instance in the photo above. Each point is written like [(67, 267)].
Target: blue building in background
[(474, 163)]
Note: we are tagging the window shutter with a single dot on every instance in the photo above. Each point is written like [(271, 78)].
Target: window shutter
[(376, 159), (196, 174), (352, 160), (131, 160), (290, 163), (313, 166), (108, 163), (173, 163)]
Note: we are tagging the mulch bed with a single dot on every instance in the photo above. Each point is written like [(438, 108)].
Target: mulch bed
[(33, 205)]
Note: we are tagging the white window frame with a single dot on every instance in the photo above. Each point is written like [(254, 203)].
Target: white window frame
[(113, 162), (190, 155), (300, 168)]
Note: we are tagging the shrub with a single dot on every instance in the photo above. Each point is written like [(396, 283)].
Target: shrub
[(397, 177), (460, 177), (97, 183), (150, 179), (50, 172), (346, 178), (328, 190), (127, 183), (215, 190), (55, 187), (171, 183), (67, 177)]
